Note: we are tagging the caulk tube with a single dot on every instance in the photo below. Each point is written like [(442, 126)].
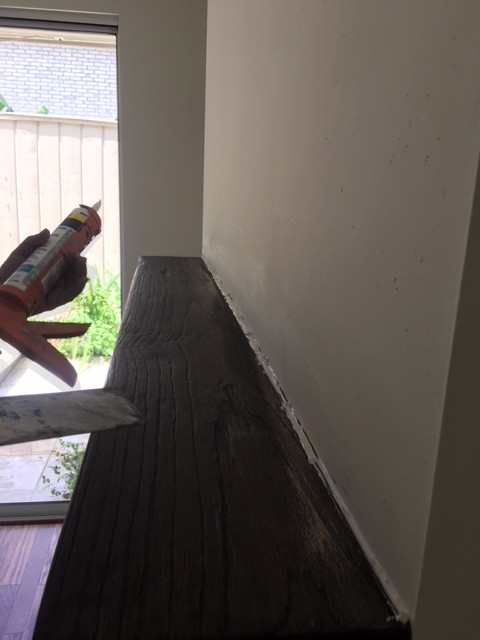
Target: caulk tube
[(41, 270)]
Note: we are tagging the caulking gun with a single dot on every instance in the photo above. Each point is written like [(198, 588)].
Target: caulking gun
[(20, 294)]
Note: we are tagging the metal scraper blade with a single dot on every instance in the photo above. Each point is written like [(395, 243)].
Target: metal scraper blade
[(54, 415)]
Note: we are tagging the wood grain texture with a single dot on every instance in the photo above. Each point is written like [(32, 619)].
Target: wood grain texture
[(208, 522)]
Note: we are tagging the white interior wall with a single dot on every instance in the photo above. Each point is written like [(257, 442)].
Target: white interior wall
[(341, 150), (161, 92)]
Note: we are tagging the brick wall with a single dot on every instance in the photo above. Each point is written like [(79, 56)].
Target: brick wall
[(68, 80)]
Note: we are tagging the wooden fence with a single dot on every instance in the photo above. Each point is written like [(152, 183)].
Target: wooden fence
[(49, 165)]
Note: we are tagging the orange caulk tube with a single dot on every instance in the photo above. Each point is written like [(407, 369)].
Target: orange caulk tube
[(20, 294)]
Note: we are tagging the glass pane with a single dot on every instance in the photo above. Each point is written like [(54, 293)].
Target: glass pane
[(58, 135)]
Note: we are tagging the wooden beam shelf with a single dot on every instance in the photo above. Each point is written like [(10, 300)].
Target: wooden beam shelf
[(209, 522)]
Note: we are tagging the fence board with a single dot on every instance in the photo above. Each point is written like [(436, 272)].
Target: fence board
[(92, 182), (8, 190), (111, 206), (26, 156), (49, 174), (70, 165)]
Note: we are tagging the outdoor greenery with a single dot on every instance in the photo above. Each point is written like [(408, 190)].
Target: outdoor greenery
[(68, 465), (4, 106), (99, 305)]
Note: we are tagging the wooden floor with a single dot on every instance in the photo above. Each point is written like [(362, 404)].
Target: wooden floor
[(25, 556)]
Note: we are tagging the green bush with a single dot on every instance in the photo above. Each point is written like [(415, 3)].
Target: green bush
[(68, 465), (99, 304), (4, 106)]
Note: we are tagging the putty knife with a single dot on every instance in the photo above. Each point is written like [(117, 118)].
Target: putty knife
[(54, 415)]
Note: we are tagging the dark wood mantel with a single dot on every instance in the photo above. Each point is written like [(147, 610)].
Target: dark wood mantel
[(209, 522)]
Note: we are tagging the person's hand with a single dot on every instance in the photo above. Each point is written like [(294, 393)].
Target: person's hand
[(67, 287), (21, 253)]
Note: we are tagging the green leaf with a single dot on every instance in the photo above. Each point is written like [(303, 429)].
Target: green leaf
[(99, 305)]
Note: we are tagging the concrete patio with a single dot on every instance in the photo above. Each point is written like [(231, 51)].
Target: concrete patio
[(23, 465)]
